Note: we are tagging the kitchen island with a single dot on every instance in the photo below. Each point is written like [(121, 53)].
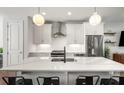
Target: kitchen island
[(69, 70)]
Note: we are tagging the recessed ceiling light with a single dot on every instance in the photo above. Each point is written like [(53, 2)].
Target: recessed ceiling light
[(43, 13), (69, 13)]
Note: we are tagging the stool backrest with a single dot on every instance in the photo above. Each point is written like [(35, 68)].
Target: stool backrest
[(121, 79), (87, 80), (49, 80), (55, 80)]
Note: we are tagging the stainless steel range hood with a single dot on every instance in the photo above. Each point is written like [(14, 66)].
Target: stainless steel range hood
[(58, 29)]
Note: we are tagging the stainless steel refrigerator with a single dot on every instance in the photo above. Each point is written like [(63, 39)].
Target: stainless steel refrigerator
[(94, 45)]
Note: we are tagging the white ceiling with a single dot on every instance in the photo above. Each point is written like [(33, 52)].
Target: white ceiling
[(109, 14)]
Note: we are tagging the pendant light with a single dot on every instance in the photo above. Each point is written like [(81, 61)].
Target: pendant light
[(95, 19), (38, 19)]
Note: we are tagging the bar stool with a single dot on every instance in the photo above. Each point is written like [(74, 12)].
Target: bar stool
[(87, 80), (48, 80), (109, 81), (17, 80), (120, 79)]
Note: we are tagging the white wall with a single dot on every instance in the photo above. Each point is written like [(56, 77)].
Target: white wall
[(115, 27), (1, 31)]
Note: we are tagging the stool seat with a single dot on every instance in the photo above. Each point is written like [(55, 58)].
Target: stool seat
[(86, 80)]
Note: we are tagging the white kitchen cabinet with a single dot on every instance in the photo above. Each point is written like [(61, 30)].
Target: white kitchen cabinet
[(42, 34), (93, 30), (75, 33)]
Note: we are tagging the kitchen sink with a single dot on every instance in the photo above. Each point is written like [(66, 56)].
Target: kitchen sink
[(62, 60)]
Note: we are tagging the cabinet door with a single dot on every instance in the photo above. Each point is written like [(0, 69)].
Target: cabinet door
[(89, 30), (46, 34), (93, 30), (75, 34), (79, 32), (70, 33), (37, 34), (100, 29), (15, 41), (42, 34)]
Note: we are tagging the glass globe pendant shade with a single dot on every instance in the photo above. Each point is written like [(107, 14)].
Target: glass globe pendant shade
[(95, 19), (38, 19)]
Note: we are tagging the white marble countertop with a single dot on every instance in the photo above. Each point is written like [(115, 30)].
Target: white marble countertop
[(82, 64)]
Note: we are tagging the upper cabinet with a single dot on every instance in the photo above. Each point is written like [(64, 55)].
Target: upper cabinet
[(42, 34), (93, 30), (75, 33)]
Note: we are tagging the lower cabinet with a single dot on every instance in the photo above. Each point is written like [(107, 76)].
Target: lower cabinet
[(66, 78), (6, 73), (34, 75)]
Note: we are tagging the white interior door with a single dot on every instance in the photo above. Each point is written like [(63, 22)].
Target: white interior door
[(15, 42)]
